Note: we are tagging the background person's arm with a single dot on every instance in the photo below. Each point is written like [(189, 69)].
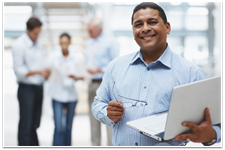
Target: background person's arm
[(45, 73), (102, 101), (19, 67), (113, 51)]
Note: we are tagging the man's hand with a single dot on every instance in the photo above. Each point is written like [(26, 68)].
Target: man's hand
[(202, 133), (45, 73), (115, 110), (94, 70), (76, 78)]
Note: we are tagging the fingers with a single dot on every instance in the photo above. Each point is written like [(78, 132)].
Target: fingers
[(192, 126), (184, 137), (115, 110), (47, 70), (113, 115), (207, 116), (199, 133), (116, 104)]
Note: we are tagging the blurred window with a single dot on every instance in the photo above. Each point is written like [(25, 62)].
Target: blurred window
[(196, 19), (15, 17), (196, 47), (174, 17)]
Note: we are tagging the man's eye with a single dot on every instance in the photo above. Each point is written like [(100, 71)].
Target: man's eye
[(137, 25), (153, 22)]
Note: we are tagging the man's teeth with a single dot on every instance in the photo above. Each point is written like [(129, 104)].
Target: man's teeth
[(149, 37)]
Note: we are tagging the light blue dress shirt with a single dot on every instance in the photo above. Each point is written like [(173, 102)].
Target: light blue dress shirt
[(106, 50), (152, 83), (27, 56)]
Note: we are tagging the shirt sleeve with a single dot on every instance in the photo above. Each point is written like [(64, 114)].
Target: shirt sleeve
[(19, 65), (217, 129), (101, 100)]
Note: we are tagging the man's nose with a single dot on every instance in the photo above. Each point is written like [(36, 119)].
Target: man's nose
[(146, 28)]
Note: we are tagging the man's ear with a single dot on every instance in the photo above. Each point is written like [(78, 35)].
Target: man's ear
[(168, 27)]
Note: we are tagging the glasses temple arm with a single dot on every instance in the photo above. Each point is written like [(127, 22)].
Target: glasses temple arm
[(113, 92)]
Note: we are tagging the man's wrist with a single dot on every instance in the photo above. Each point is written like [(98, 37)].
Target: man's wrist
[(212, 141), (99, 70)]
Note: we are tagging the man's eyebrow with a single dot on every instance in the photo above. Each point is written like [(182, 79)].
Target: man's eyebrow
[(153, 19), (137, 21), (150, 19)]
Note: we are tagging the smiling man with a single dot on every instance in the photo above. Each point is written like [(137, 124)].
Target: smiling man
[(140, 84)]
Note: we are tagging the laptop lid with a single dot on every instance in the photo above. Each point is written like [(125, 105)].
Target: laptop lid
[(188, 103)]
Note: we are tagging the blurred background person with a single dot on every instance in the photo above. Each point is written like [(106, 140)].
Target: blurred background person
[(101, 48), (64, 95), (29, 69)]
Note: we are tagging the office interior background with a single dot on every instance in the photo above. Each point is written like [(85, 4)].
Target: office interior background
[(195, 35)]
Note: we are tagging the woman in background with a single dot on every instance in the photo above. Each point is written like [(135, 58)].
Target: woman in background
[(63, 93)]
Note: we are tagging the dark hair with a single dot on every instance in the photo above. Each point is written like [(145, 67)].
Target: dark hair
[(151, 5), (33, 23), (65, 34)]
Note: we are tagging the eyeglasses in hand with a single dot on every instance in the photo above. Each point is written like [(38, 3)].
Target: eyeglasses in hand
[(137, 103)]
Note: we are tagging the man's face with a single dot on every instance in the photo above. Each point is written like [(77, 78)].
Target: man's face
[(33, 34), (93, 31), (149, 30)]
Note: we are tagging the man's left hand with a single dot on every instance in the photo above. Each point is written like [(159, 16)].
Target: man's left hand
[(94, 70), (202, 133)]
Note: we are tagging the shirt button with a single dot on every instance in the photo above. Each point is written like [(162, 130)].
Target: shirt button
[(145, 87), (136, 144)]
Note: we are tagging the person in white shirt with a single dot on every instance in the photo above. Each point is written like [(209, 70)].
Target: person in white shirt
[(63, 91), (29, 69)]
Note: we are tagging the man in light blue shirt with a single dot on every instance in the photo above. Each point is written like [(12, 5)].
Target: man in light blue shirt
[(148, 76), (28, 65), (101, 48)]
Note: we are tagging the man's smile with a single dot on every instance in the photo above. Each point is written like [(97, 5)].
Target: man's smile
[(148, 37)]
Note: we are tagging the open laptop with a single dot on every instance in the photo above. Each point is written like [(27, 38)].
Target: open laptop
[(188, 103)]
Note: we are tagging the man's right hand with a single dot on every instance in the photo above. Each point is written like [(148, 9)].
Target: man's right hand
[(115, 110), (45, 73)]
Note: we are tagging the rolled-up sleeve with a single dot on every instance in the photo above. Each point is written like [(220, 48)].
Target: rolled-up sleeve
[(218, 133), (19, 66), (101, 100)]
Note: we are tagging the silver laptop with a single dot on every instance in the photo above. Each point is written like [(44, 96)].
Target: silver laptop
[(188, 103)]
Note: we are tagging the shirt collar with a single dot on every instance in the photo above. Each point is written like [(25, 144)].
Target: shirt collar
[(98, 37), (29, 42), (165, 58), (62, 57)]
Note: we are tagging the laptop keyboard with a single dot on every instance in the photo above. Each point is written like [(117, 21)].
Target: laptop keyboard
[(157, 128)]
